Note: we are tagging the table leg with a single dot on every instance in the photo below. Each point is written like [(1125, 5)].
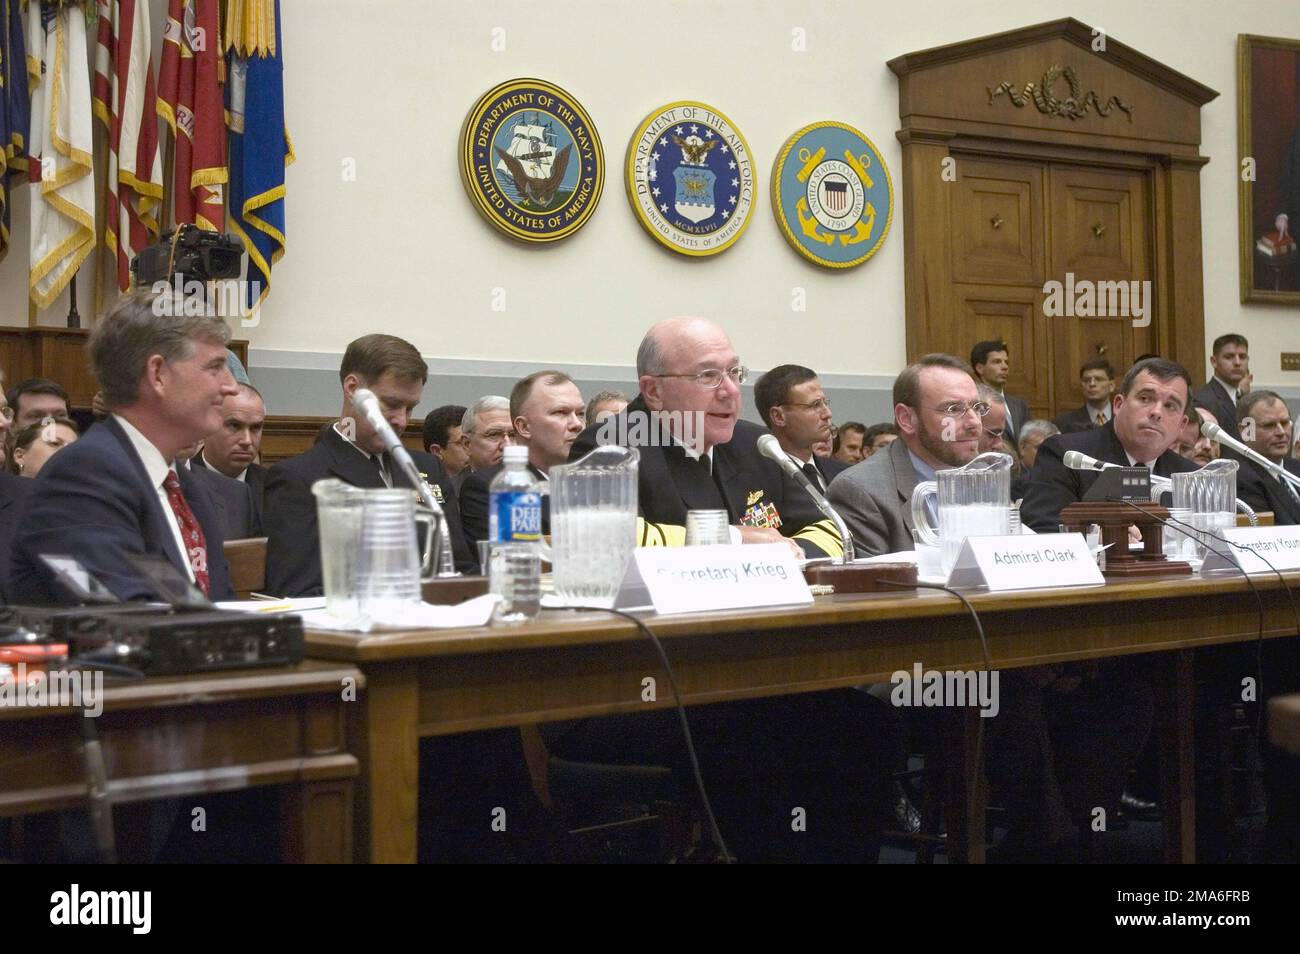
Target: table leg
[(388, 797), (316, 823), (1175, 694), (967, 788)]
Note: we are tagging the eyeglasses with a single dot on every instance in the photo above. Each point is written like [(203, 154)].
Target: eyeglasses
[(821, 404), (711, 378), (497, 435), (959, 408)]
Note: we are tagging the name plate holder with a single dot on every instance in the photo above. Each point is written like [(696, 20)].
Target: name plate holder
[(697, 579), (1115, 518), (1025, 562), (1280, 546)]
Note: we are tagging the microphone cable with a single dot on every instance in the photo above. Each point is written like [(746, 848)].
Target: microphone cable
[(984, 646), (681, 716)]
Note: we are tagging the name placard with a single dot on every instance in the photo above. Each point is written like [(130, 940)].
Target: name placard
[(1026, 562), (691, 579), (1280, 546)]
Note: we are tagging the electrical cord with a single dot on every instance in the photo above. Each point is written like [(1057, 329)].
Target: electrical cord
[(681, 716), (984, 645)]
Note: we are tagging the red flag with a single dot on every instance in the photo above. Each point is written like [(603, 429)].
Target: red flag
[(189, 98), (125, 100)]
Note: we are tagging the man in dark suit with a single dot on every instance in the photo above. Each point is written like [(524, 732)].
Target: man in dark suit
[(353, 452), (547, 413), (1150, 411), (991, 361), (792, 404), (823, 751), (234, 448), (116, 491), (13, 492), (1074, 733), (1265, 423), (1230, 359), (236, 508), (1097, 378)]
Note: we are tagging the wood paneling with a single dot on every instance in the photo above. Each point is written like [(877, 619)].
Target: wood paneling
[(1083, 186), (60, 354)]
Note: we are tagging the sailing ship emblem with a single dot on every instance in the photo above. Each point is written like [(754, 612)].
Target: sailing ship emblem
[(531, 160), (535, 167)]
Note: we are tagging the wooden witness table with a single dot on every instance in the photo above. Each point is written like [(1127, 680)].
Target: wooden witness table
[(569, 664), (189, 735)]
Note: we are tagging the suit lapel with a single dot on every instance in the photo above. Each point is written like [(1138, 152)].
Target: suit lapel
[(157, 530), (904, 480), (349, 465)]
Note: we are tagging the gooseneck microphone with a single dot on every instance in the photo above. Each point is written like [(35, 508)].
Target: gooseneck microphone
[(1215, 433), (1077, 460), (770, 448), (364, 400)]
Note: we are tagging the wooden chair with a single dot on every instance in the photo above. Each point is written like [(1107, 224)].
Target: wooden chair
[(247, 559)]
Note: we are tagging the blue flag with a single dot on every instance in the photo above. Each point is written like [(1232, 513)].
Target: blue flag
[(259, 151), (15, 110)]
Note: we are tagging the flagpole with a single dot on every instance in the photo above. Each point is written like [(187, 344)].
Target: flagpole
[(74, 318)]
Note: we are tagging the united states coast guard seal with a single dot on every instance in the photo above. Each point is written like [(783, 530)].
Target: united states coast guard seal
[(832, 195), (690, 178), (531, 160)]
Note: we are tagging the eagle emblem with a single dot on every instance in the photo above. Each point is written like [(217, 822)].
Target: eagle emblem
[(531, 182)]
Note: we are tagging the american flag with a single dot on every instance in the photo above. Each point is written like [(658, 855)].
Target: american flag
[(837, 194), (125, 100), (190, 99)]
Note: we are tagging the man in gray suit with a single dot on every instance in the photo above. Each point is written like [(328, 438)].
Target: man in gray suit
[(991, 361), (939, 416)]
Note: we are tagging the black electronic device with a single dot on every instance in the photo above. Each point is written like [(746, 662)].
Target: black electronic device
[(196, 642), (67, 624), (188, 253), (1121, 483)]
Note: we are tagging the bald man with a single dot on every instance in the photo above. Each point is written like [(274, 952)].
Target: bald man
[(825, 752), (696, 453)]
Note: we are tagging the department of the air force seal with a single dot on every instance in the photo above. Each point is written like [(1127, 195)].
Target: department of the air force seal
[(690, 178), (832, 195), (531, 160)]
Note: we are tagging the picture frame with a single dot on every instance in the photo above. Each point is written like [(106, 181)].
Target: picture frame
[(1268, 153)]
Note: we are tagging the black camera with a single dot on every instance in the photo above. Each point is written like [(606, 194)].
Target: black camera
[(194, 253)]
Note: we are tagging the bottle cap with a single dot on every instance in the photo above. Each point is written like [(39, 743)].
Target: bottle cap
[(515, 454)]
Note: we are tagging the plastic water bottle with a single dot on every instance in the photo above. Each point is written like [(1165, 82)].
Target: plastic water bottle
[(515, 531)]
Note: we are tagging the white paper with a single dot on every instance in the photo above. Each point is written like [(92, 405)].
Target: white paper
[(302, 604), (475, 612)]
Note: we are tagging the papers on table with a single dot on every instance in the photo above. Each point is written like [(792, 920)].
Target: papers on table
[(475, 612)]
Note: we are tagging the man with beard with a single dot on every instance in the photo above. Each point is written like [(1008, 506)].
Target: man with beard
[(940, 419)]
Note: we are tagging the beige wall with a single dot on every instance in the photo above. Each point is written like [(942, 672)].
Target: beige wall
[(388, 82)]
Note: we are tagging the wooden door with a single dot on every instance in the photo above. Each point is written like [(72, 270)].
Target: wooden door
[(1100, 251), (999, 264)]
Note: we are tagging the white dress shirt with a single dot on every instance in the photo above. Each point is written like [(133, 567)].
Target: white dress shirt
[(157, 468)]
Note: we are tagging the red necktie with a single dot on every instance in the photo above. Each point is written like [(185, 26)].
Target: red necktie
[(196, 547)]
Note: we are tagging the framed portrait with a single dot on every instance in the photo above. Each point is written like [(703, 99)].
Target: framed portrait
[(1268, 143)]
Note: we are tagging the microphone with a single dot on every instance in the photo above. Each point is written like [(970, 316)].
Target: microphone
[(1215, 433), (1077, 460), (770, 448), (364, 400)]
